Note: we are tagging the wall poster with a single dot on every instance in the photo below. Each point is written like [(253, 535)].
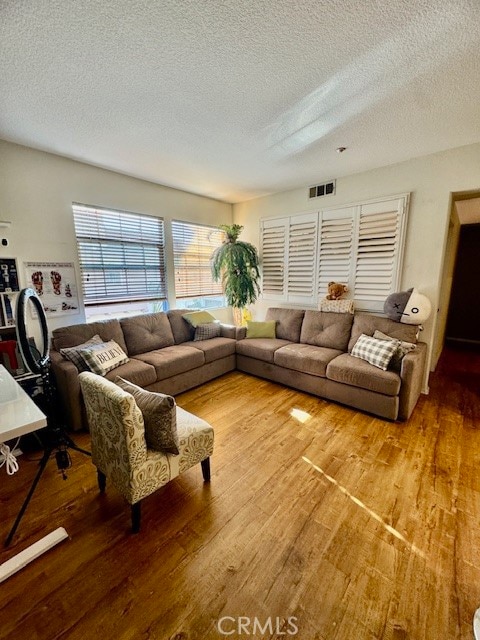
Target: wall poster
[(56, 286)]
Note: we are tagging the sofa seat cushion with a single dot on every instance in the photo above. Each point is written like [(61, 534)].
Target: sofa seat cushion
[(147, 332), (358, 373), (260, 348), (305, 358), (323, 329), (171, 361), (134, 371), (214, 348)]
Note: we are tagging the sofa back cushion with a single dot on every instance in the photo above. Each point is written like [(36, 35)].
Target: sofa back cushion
[(288, 323), (181, 329), (322, 329), (147, 332), (75, 334), (368, 324)]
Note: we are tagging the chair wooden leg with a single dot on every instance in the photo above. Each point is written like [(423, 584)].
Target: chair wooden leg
[(136, 513), (102, 480), (206, 469)]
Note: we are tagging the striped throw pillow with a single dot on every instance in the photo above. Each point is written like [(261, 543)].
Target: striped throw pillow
[(376, 352)]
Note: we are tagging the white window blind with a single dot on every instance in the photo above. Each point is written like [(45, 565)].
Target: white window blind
[(121, 254), (335, 248), (360, 245), (193, 245), (302, 248), (288, 252), (379, 226), (274, 255)]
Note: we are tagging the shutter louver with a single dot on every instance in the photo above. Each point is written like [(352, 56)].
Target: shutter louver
[(335, 249), (302, 247), (122, 255), (379, 227), (193, 245), (273, 258)]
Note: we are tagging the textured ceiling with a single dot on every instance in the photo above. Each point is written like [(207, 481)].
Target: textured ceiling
[(239, 98)]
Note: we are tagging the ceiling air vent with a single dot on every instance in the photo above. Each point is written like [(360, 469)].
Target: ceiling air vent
[(319, 190)]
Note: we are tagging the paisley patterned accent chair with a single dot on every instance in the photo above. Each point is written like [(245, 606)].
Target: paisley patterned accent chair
[(119, 450)]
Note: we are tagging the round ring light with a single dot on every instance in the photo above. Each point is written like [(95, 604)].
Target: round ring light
[(35, 361)]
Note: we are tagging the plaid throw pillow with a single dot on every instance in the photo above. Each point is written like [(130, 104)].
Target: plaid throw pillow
[(206, 331), (376, 352), (73, 353)]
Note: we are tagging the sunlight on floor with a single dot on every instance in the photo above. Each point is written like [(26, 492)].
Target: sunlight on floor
[(359, 503), (301, 416)]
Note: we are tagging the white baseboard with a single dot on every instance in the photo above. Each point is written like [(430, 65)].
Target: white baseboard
[(32, 552)]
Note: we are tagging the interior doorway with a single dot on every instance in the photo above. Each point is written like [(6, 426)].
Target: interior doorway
[(463, 323)]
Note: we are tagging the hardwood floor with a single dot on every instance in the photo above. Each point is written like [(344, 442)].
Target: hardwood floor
[(350, 526)]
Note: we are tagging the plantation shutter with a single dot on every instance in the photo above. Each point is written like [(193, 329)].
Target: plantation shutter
[(121, 255), (193, 245), (274, 255), (360, 245), (377, 273), (335, 248), (302, 248)]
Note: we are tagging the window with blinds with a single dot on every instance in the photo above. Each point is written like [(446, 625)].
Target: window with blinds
[(121, 254), (360, 245), (193, 245)]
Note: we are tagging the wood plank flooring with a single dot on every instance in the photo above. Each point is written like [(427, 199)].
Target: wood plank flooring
[(353, 527)]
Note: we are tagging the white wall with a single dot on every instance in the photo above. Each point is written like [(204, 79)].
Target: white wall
[(36, 194), (430, 180)]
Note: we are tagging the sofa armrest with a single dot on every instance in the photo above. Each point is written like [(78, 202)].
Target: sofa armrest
[(411, 373), (231, 331), (68, 385)]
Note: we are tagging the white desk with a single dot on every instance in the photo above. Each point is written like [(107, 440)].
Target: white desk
[(19, 415)]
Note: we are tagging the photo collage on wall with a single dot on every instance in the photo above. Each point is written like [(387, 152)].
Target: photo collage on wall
[(55, 285)]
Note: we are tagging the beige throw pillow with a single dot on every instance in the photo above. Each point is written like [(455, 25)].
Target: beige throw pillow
[(102, 358), (159, 415), (402, 349)]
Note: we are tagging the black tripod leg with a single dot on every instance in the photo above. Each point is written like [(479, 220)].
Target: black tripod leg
[(71, 444), (41, 468)]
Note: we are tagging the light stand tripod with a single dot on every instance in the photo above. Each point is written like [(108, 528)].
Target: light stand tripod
[(54, 437)]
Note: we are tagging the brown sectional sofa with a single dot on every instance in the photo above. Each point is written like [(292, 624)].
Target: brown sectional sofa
[(310, 353), (163, 356)]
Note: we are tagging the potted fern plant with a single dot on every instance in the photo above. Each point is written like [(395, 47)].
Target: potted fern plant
[(235, 265)]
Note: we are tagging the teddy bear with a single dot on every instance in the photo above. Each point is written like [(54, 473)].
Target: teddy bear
[(336, 290)]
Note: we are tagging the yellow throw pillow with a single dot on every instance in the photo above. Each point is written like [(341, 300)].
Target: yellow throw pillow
[(198, 317), (261, 329)]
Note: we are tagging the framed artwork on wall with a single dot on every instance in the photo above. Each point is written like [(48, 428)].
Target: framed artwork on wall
[(56, 286)]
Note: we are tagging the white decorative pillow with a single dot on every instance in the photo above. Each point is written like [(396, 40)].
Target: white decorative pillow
[(337, 306), (401, 351), (376, 352), (207, 330), (73, 353), (102, 358)]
